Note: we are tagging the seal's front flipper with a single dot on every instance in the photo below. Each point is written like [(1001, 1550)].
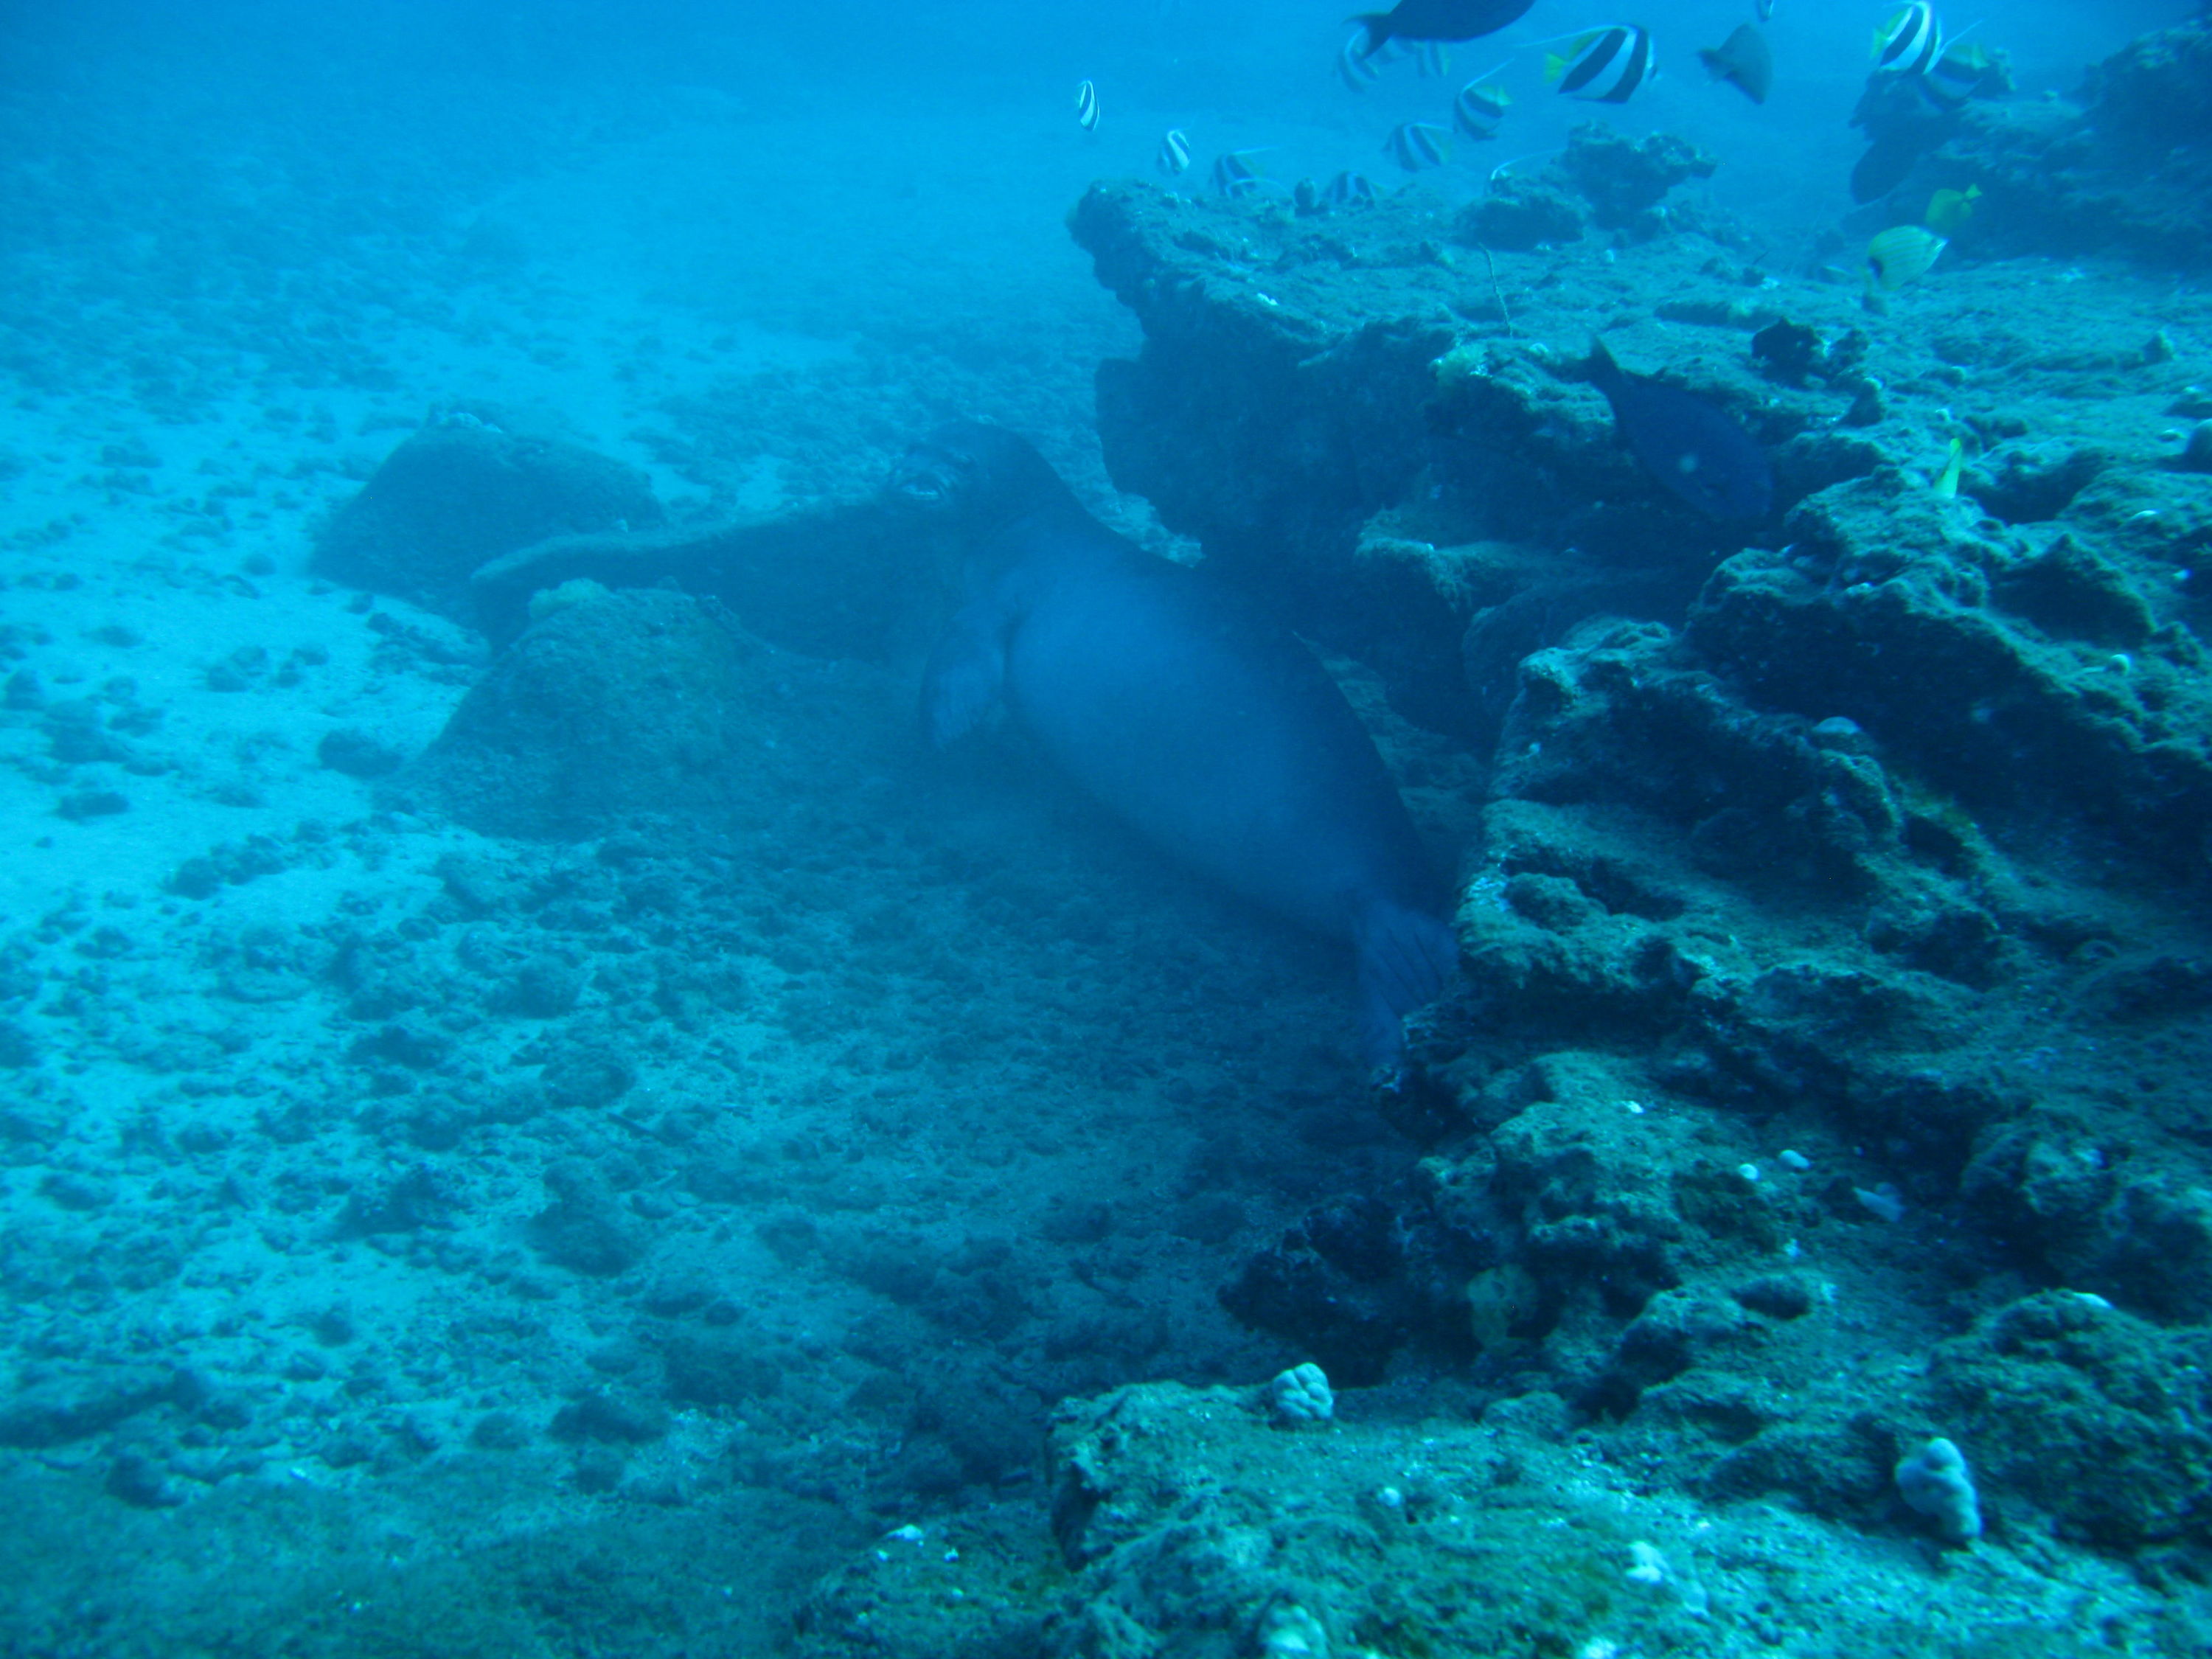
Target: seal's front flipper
[(966, 671)]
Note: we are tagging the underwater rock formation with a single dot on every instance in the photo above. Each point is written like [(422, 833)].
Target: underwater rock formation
[(612, 705), (1624, 179), (1602, 179), (620, 705), (464, 490), (1189, 1524), (2120, 169), (1834, 927)]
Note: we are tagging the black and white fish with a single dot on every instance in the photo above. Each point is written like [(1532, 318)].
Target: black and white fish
[(1606, 66), (1235, 173), (1962, 70), (1908, 42), (1356, 66), (1416, 146), (1478, 109), (1432, 60), (1349, 189), (1087, 106), (1174, 153), (1765, 9)]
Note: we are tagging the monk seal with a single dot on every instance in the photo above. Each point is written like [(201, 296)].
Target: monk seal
[(1214, 733)]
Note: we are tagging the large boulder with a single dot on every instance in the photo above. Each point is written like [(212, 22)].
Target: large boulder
[(462, 491), (619, 708)]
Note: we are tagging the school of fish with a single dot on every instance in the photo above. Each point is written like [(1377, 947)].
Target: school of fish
[(1692, 447)]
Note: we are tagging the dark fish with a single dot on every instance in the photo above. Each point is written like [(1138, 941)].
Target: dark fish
[(1440, 20), (1744, 59), (1886, 165), (1689, 446)]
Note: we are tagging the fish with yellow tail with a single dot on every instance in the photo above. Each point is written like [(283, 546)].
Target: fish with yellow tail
[(1357, 65), (1480, 110), (1606, 66), (1908, 42), (1416, 146), (1237, 173), (1963, 72), (1947, 484)]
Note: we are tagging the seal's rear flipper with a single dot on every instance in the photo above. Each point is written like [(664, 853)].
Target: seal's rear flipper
[(1405, 956)]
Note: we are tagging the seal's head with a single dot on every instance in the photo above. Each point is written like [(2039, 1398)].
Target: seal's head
[(981, 474)]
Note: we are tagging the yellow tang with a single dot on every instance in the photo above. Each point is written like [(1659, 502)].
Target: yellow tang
[(1902, 253), (1949, 210)]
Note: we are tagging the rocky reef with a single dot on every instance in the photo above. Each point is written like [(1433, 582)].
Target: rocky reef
[(2120, 167), (1187, 1522), (1826, 1081), (1824, 1089), (1792, 1234), (1857, 835)]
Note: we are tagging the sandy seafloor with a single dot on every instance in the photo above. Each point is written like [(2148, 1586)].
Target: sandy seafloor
[(872, 1126), (996, 1040)]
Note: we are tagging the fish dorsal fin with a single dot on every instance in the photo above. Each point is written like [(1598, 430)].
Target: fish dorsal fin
[(1557, 63), (1605, 373)]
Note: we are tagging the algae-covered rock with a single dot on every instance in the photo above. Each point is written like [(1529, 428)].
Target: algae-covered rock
[(2118, 168), (1189, 1526), (1624, 179), (1520, 216), (1200, 1528), (647, 706), (623, 704), (1833, 924), (464, 490), (1889, 611), (1354, 1281), (2157, 89), (2091, 1418)]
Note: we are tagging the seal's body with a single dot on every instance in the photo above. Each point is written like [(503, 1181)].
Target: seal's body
[(1214, 733)]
